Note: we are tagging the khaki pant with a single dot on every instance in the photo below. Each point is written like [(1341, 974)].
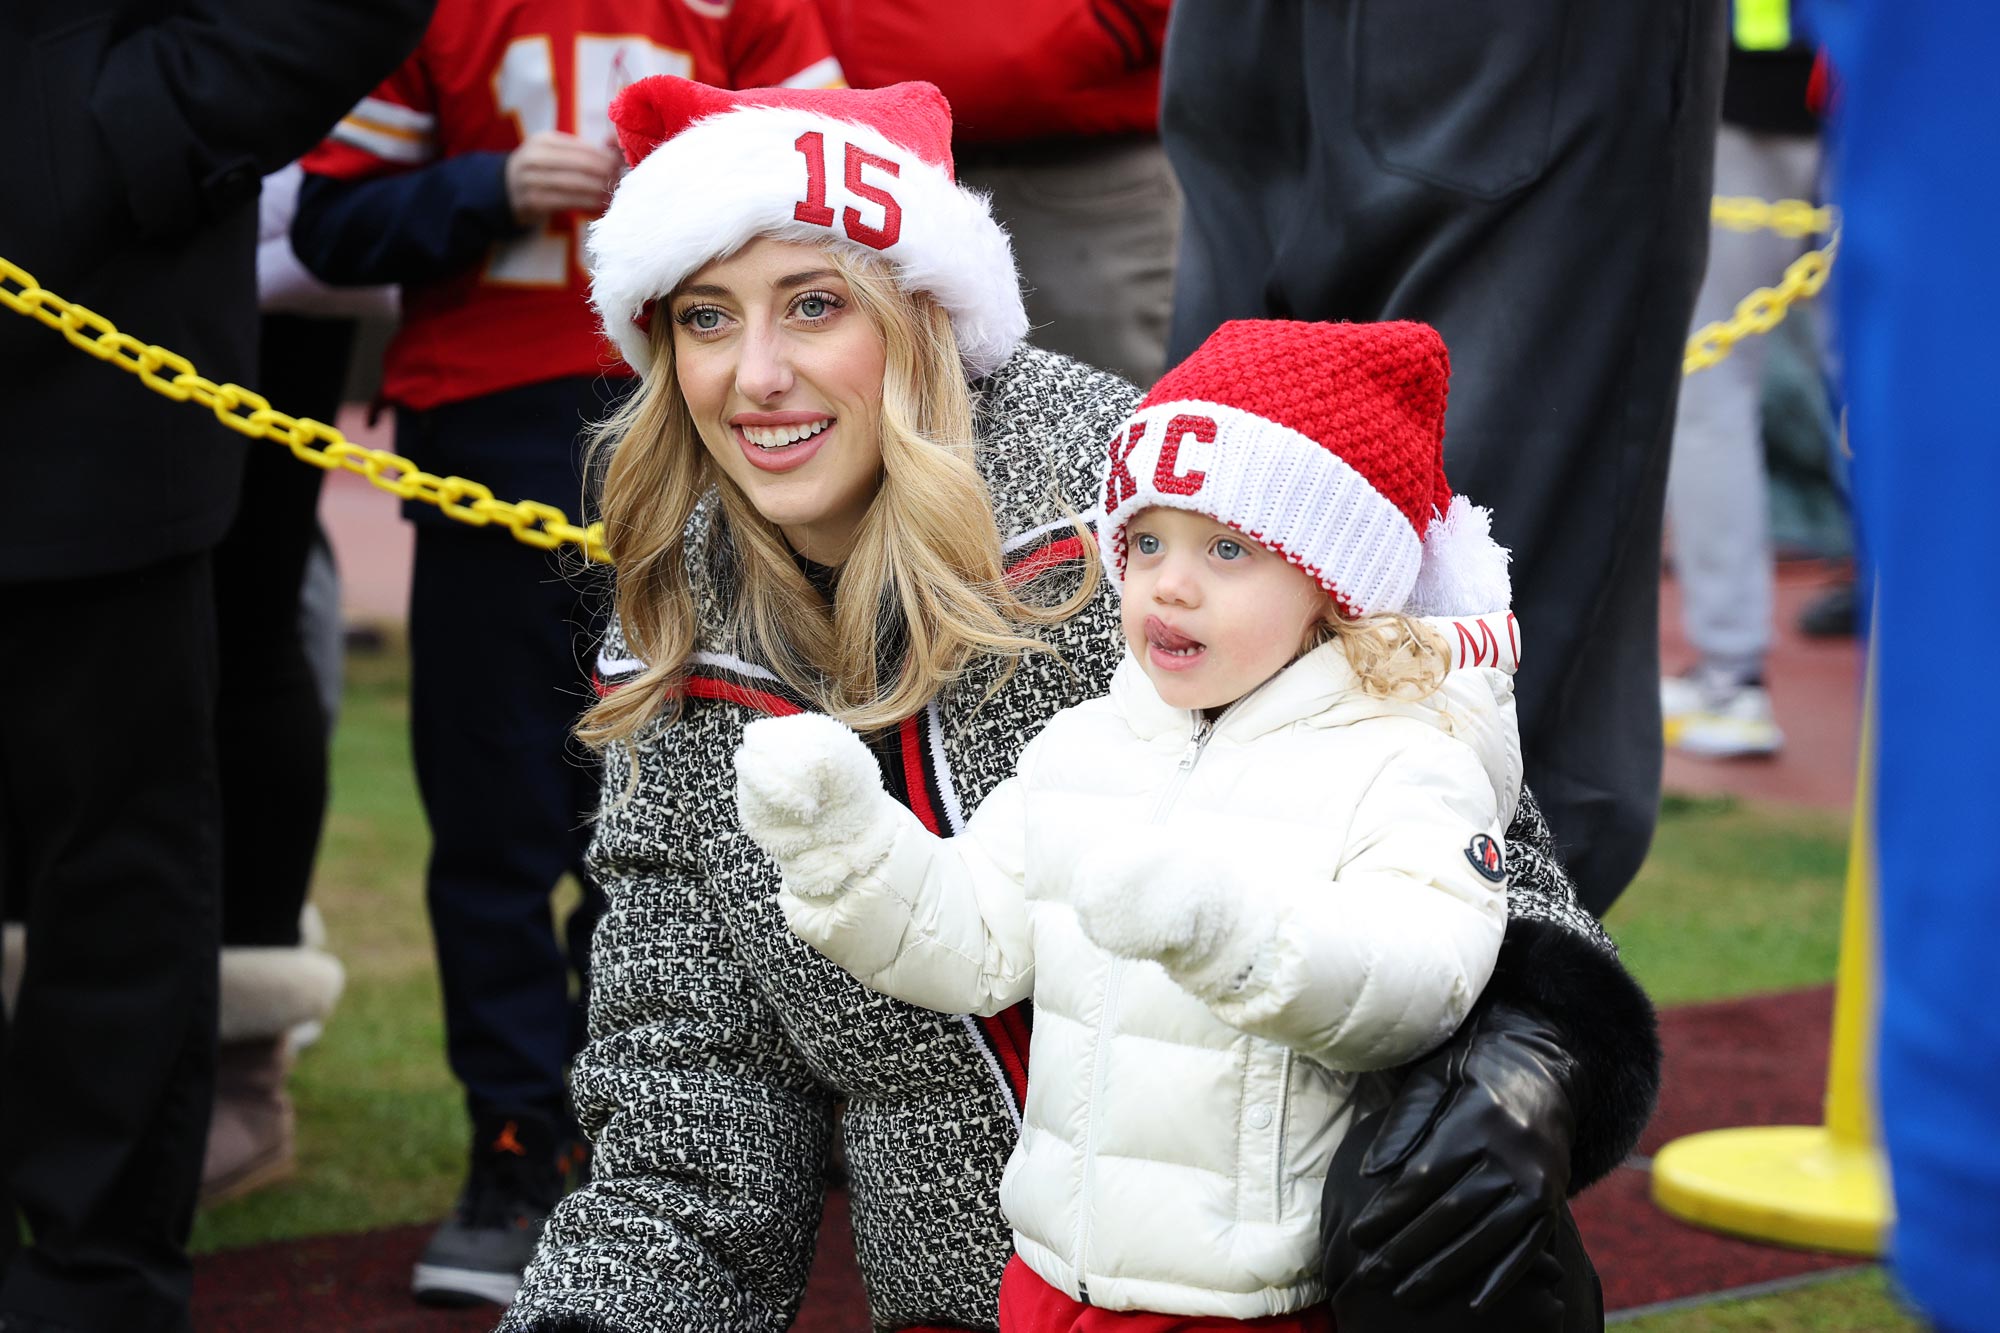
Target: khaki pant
[(1095, 224), (1717, 491)]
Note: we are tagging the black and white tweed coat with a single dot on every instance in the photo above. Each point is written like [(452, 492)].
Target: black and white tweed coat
[(720, 1044)]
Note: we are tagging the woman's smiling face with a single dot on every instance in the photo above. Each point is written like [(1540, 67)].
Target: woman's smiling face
[(782, 375)]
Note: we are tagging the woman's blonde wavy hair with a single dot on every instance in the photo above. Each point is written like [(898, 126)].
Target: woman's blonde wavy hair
[(922, 594)]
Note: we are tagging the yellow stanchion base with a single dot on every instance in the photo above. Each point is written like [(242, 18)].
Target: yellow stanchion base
[(1791, 1184)]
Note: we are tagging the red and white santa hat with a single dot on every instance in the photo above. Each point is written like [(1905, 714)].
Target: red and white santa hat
[(870, 169), (1325, 443)]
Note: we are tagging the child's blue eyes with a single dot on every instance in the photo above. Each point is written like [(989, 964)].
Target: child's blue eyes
[(1146, 543)]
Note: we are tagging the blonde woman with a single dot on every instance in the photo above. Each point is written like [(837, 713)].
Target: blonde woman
[(845, 486)]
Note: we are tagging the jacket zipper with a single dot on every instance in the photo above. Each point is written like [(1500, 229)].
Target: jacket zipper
[(1198, 738), (1278, 1148)]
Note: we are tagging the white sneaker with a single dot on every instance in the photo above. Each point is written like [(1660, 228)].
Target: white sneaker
[(1719, 720), (1679, 696)]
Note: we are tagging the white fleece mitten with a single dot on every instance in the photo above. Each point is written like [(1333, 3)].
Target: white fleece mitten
[(809, 793), (1191, 914)]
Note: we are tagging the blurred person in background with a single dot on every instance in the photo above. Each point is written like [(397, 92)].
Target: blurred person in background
[(1531, 179), (1055, 105), (1718, 503), (144, 129), (467, 178)]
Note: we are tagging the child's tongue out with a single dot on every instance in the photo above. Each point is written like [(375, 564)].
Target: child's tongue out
[(1166, 638)]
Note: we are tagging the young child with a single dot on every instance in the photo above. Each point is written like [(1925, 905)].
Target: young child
[(1267, 862)]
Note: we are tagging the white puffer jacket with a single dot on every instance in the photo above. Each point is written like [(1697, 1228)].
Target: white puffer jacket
[(1316, 864)]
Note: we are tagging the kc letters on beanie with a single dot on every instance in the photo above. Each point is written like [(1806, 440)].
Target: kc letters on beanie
[(1325, 443), (868, 169)]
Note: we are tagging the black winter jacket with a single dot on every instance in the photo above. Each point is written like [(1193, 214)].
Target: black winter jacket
[(138, 131)]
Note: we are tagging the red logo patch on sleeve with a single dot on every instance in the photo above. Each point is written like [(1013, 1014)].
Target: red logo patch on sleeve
[(1484, 854)]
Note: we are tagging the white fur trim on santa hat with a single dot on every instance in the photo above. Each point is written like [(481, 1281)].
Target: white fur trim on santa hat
[(1288, 491), (710, 189), (1464, 572)]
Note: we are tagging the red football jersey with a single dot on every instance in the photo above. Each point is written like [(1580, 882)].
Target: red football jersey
[(1023, 69), (487, 74)]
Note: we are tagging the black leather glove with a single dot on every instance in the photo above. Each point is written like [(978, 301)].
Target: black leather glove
[(1473, 1164), (1557, 1294)]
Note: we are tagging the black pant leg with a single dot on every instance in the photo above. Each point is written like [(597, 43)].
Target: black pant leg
[(1532, 178), (500, 641), (1563, 405), (271, 724), (108, 840), (1232, 120)]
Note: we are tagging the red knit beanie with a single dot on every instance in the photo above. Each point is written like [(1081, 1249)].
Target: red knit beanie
[(1325, 443)]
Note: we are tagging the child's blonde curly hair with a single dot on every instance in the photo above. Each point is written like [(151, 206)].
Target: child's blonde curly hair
[(1394, 655)]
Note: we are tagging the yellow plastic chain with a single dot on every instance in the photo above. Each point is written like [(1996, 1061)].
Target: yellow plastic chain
[(249, 413), (1766, 308), (1787, 217), (545, 526)]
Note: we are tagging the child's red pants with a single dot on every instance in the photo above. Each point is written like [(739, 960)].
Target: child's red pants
[(1030, 1305)]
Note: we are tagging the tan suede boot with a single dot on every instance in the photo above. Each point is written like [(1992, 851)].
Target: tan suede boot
[(13, 960), (250, 1133), (268, 996)]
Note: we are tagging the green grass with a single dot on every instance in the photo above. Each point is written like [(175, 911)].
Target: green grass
[(1735, 899), (1852, 1303)]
